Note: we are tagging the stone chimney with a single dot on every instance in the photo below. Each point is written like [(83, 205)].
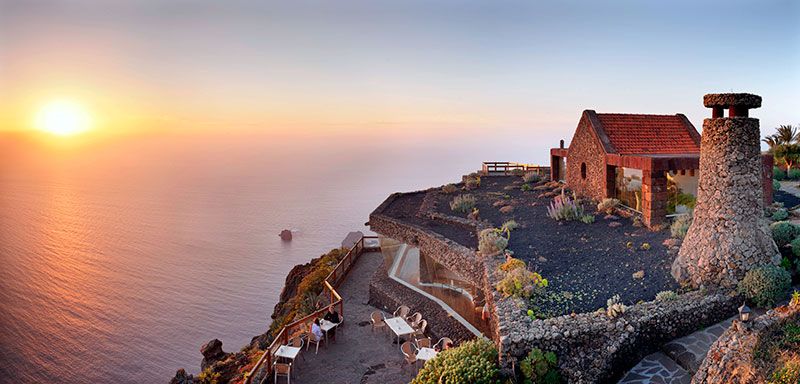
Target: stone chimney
[(729, 235)]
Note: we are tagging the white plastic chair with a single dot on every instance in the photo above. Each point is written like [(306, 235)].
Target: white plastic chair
[(402, 311)]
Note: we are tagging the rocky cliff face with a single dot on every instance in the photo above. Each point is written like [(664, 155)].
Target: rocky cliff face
[(230, 367)]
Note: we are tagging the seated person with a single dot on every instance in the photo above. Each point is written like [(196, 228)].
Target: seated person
[(316, 331), (333, 317)]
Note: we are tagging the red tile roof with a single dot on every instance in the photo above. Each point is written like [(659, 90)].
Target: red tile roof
[(649, 134)]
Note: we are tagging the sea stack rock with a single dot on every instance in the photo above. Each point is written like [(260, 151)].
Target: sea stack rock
[(286, 235), (212, 352), (729, 235)]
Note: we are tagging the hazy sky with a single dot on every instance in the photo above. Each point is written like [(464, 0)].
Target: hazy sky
[(342, 66)]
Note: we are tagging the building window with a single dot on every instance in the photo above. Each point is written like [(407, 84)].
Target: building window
[(583, 171)]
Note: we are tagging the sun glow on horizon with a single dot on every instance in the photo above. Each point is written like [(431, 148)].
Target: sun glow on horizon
[(62, 118)]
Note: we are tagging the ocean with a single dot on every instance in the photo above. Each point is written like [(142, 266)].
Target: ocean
[(121, 258)]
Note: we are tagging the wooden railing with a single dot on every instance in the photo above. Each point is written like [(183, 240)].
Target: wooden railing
[(506, 168), (303, 325)]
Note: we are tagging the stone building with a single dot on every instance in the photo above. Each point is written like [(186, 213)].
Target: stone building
[(649, 162)]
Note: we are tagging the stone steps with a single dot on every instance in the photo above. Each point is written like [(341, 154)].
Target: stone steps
[(678, 359)]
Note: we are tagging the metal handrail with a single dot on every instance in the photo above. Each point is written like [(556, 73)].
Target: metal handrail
[(334, 279)]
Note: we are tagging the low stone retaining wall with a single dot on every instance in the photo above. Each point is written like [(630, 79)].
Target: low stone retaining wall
[(595, 348), (730, 359), (388, 294)]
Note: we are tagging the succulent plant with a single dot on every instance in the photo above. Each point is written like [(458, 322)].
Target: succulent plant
[(614, 307)]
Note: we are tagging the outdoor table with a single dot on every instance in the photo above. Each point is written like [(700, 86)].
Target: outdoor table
[(399, 326), (326, 326), (287, 352), (426, 353)]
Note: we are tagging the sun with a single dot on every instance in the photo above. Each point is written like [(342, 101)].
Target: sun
[(63, 118)]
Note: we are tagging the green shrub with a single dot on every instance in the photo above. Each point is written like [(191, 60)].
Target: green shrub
[(796, 247), (783, 232), (449, 189), (521, 283), (666, 296), (509, 226), (209, 377), (607, 205), (778, 174), (518, 172), (511, 264), (540, 368), (525, 187), (780, 214), (531, 177), (793, 174), (776, 185), (472, 181), (463, 203), (786, 263), (681, 225), (491, 242), (789, 373), (474, 361), (765, 285)]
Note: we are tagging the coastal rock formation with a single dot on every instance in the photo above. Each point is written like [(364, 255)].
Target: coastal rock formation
[(286, 235), (212, 352), (729, 235), (181, 377)]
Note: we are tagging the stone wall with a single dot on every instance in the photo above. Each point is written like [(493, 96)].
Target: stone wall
[(593, 348), (455, 257), (585, 149), (730, 359), (388, 294), (729, 234)]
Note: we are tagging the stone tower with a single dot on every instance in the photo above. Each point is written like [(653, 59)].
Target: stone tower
[(730, 234)]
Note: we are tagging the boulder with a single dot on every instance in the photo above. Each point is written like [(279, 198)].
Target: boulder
[(286, 235), (181, 377), (212, 352)]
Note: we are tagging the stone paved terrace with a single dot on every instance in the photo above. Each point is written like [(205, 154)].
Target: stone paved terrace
[(359, 355)]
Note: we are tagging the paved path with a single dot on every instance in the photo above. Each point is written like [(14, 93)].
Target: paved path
[(678, 359), (359, 355), (791, 186)]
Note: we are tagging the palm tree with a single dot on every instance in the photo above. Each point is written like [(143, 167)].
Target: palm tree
[(783, 145), (789, 153), (771, 142), (786, 134)]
